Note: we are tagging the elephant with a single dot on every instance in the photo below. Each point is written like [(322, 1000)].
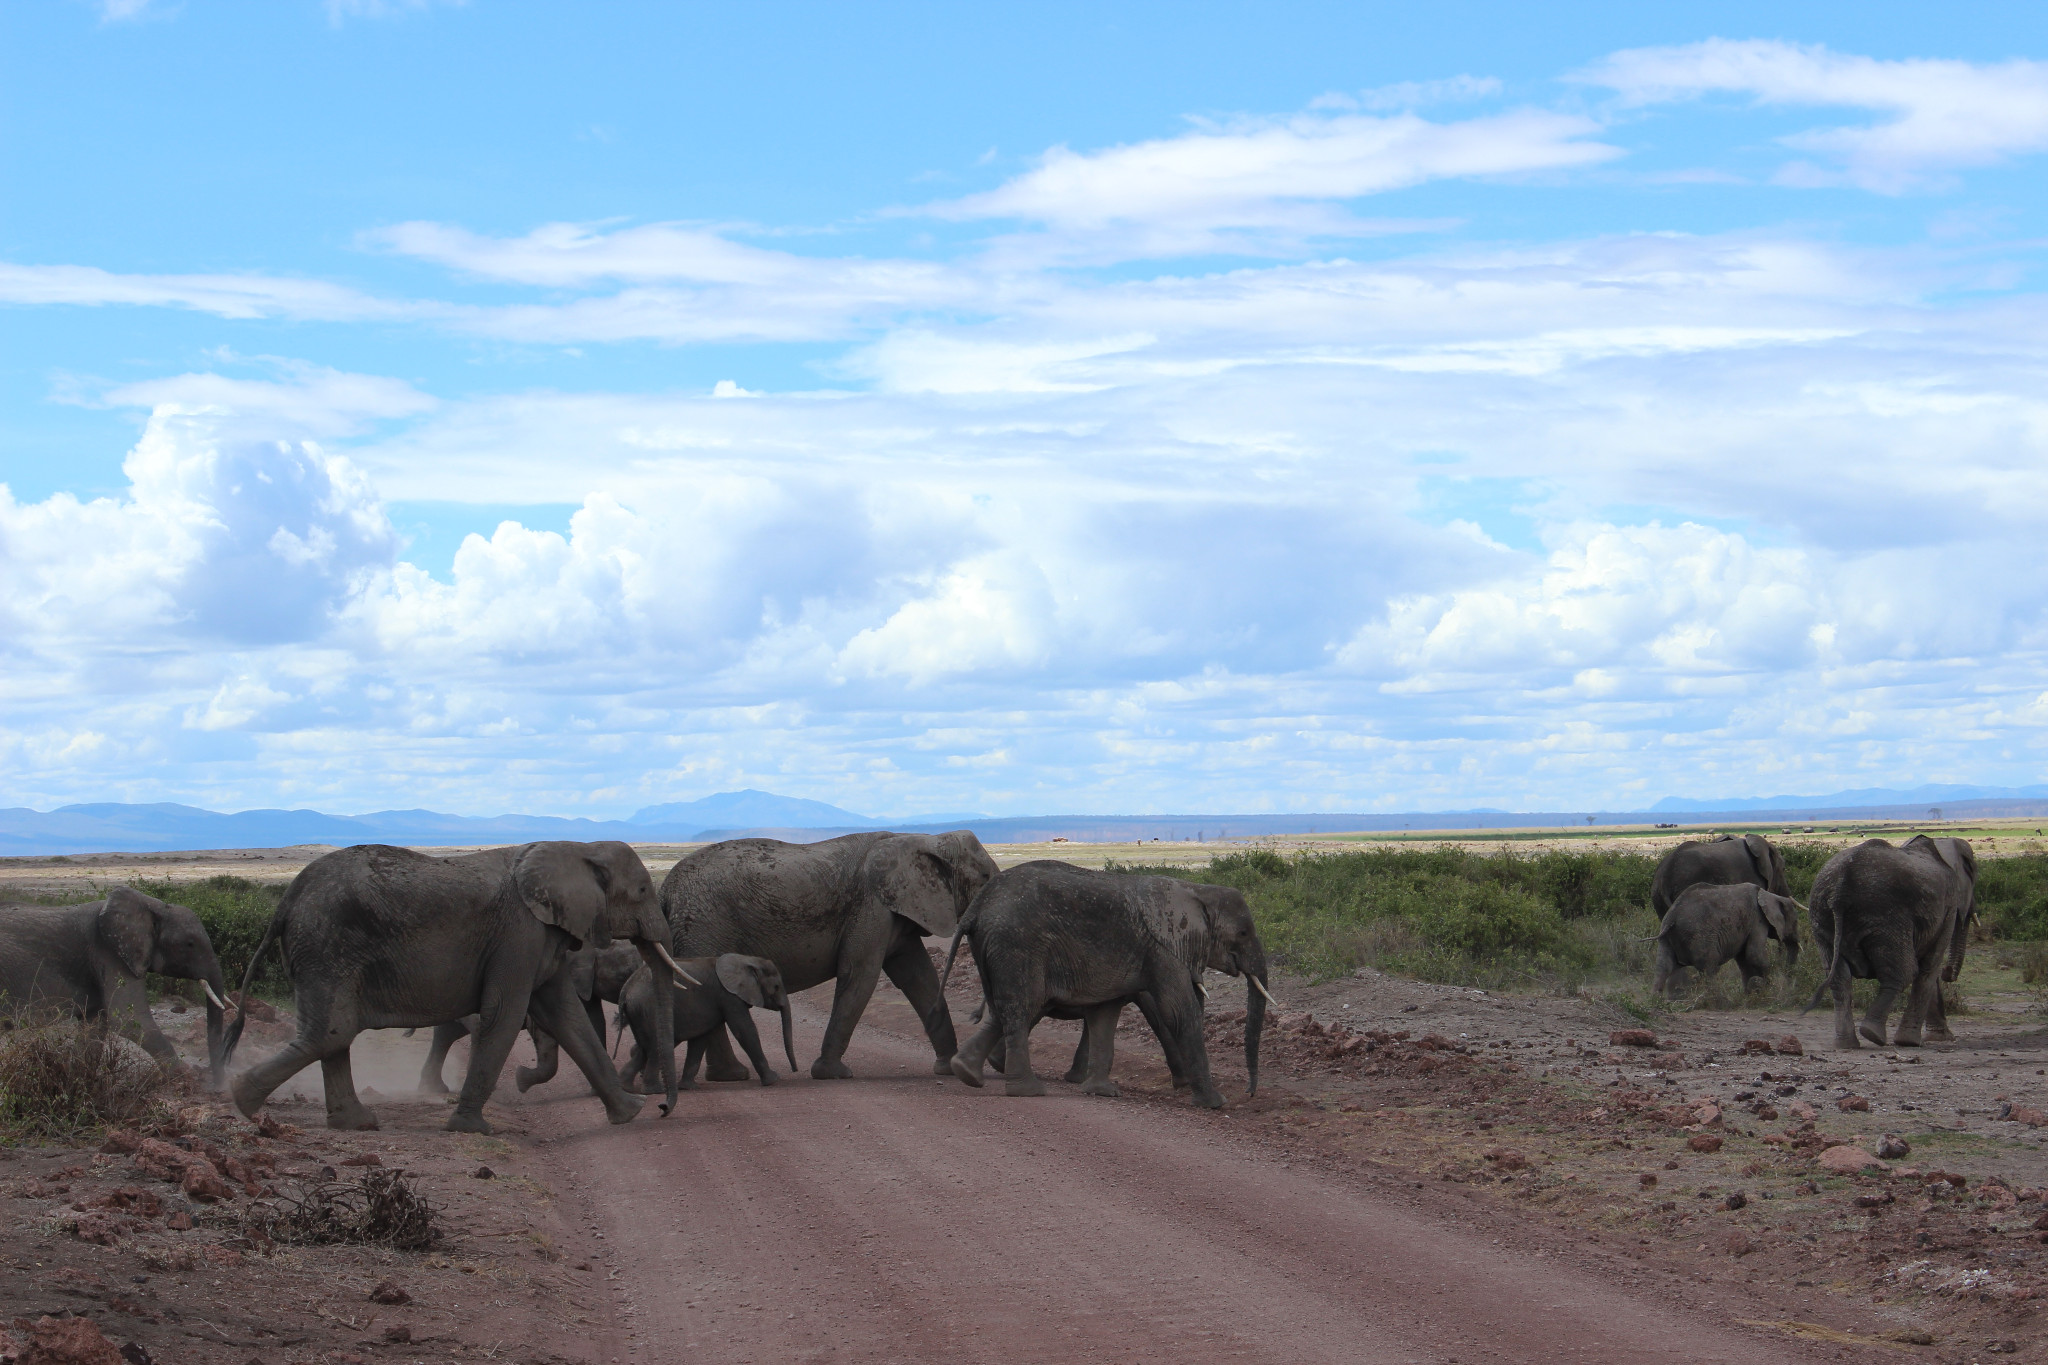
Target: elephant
[(1723, 860), (381, 937), (734, 985), (1900, 914), (1709, 925), (596, 975), (1053, 939), (843, 910), (89, 962)]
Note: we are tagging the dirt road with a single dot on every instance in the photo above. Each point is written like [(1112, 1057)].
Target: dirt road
[(898, 1217)]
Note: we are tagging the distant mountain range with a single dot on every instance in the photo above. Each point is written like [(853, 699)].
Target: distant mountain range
[(109, 827)]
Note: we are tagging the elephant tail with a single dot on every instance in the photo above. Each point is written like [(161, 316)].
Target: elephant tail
[(1835, 965), (233, 1035), (953, 948)]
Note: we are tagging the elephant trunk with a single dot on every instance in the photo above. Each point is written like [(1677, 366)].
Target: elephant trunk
[(788, 1036), (216, 1029), (1254, 1013), (662, 991)]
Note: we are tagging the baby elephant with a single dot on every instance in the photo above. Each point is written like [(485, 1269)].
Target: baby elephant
[(1708, 925), (732, 984)]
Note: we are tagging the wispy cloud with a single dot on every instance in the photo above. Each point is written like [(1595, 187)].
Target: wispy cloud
[(1941, 115)]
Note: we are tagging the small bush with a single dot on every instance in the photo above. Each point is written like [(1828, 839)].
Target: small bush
[(2012, 896), (383, 1208), (62, 1079)]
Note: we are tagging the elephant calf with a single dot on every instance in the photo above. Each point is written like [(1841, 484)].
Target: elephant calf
[(1711, 925), (732, 986)]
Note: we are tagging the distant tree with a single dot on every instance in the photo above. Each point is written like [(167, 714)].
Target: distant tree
[(1934, 813)]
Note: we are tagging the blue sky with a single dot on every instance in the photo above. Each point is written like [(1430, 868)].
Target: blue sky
[(1078, 408)]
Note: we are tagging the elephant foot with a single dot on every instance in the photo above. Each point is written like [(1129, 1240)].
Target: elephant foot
[(624, 1112), (1906, 1038), (1940, 1035), (1872, 1032), (732, 1073), (830, 1069), (460, 1122), (768, 1077), (247, 1101), (1025, 1086), (1075, 1075), (1105, 1088), (969, 1075), (433, 1087), (1208, 1099), (357, 1120), (526, 1078), (943, 1067), (1182, 1083)]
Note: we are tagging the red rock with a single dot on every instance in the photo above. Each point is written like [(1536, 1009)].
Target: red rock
[(121, 1140), (387, 1291), (1788, 1046), (364, 1159), (1847, 1158), (1738, 1245), (1853, 1104), (1506, 1158), (223, 1256), (98, 1229), (1632, 1037), (398, 1335), (69, 1341), (1754, 1047), (271, 1128), (2033, 1118), (202, 1184), (180, 1221), (1704, 1142)]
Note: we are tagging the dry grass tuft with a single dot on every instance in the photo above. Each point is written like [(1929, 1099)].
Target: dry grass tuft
[(62, 1080), (382, 1208)]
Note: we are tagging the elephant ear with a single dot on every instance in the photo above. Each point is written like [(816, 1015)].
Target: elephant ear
[(907, 874), (1778, 914), (127, 925), (1759, 849), (739, 975), (562, 887)]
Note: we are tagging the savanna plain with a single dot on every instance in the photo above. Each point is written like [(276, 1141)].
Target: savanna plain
[(1477, 1136)]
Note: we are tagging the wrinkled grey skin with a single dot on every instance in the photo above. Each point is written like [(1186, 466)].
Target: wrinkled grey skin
[(382, 937), (88, 961), (844, 910), (1053, 939), (733, 986), (595, 976), (1723, 860), (1900, 915), (1711, 925)]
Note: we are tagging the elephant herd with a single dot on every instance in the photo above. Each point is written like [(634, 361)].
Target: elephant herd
[(539, 936), (1898, 914)]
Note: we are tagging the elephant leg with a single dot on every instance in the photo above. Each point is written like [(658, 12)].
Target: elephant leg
[(1077, 1071), (326, 1027), (910, 967), (1667, 969), (692, 1055), (1180, 1025), (445, 1037), (253, 1087), (967, 1062), (498, 1026), (1098, 1041), (1175, 1063), (1843, 985), (1913, 1023), (129, 1011), (720, 1064), (559, 1013), (1937, 1015), (855, 986), (547, 1054), (1018, 1078), (740, 1021), (1872, 1026), (345, 1110)]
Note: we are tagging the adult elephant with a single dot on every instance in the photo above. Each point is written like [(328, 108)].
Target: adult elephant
[(1901, 915), (382, 937), (1053, 939), (1723, 860), (1711, 925), (89, 962), (844, 910)]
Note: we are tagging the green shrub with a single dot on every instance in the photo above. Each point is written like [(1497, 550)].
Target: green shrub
[(235, 912), (2012, 896)]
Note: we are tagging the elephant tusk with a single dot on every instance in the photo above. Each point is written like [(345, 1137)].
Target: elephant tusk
[(1202, 990), (675, 966), (218, 1003), (1262, 990)]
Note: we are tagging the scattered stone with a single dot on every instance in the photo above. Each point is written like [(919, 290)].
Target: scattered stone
[(1704, 1142), (1802, 1112), (1649, 1182), (1507, 1159), (68, 1341), (135, 1353), (1632, 1037), (387, 1291), (179, 1221), (398, 1335), (1788, 1046), (486, 1173), (1736, 1199), (1756, 1047), (2041, 1223), (363, 1159), (1912, 1336), (1855, 1104), (202, 1184), (1738, 1244), (2002, 1348), (121, 1140), (271, 1128), (1874, 1201), (1765, 1112), (1847, 1158), (98, 1229), (1892, 1147), (2020, 1113)]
